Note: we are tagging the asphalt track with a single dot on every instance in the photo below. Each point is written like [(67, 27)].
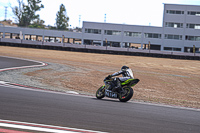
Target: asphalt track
[(6, 62), (86, 112)]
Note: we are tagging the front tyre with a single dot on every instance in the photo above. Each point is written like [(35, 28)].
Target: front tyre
[(126, 94), (100, 92)]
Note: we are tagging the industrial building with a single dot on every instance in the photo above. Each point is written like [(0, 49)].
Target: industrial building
[(180, 32)]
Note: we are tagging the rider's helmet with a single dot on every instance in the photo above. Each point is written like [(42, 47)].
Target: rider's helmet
[(124, 68)]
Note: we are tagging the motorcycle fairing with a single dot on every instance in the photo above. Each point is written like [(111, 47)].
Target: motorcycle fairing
[(111, 94), (130, 82)]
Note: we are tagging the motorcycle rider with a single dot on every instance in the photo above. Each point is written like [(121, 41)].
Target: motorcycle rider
[(126, 73)]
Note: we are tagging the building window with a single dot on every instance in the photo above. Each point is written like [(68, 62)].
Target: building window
[(15, 36), (92, 42), (112, 32), (193, 26), (8, 35), (152, 35), (172, 49), (133, 34), (194, 13), (174, 12), (46, 38), (174, 25), (111, 44), (192, 38), (175, 37), (168, 48), (197, 26), (94, 31), (176, 49)]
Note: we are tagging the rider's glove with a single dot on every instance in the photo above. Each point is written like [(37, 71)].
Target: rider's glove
[(109, 76)]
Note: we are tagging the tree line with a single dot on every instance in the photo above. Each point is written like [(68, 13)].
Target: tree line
[(25, 15)]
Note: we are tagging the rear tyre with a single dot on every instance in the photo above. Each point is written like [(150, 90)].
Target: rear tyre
[(100, 92), (126, 95)]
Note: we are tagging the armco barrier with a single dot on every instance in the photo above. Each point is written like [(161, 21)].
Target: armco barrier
[(98, 49)]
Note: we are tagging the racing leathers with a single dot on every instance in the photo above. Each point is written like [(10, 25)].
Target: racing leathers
[(116, 84)]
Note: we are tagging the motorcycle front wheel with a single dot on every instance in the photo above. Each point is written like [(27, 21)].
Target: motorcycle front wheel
[(100, 92), (126, 94)]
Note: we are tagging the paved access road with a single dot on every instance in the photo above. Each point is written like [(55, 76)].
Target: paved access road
[(87, 112)]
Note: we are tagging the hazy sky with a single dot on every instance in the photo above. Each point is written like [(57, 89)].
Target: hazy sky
[(133, 12)]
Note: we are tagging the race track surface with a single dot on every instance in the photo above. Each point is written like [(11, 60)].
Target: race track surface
[(6, 62), (86, 112)]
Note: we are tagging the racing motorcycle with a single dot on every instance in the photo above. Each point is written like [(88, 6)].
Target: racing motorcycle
[(124, 94)]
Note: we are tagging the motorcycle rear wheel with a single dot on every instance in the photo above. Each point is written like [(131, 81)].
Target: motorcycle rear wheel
[(100, 92), (126, 95)]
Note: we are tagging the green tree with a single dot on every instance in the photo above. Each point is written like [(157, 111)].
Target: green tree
[(62, 19), (30, 11), (26, 14), (37, 24), (18, 11)]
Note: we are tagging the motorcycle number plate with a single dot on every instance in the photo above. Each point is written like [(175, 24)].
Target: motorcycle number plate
[(111, 94)]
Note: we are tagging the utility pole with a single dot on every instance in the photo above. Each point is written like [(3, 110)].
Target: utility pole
[(79, 20), (105, 19), (5, 12)]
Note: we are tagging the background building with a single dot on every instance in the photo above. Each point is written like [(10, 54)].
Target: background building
[(180, 32)]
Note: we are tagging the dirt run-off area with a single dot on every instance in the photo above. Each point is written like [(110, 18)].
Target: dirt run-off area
[(166, 81)]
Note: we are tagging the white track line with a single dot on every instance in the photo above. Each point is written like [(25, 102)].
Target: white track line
[(23, 59), (12, 68), (43, 128)]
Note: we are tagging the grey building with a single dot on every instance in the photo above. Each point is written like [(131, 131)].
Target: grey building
[(180, 32)]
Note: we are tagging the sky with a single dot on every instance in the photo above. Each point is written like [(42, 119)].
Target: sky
[(131, 12)]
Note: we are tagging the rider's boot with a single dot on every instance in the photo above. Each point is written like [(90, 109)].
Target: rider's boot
[(118, 87), (110, 87)]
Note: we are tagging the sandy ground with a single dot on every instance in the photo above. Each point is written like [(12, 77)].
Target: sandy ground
[(166, 81)]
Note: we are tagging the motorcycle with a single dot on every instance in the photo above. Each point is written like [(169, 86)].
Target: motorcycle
[(124, 94)]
